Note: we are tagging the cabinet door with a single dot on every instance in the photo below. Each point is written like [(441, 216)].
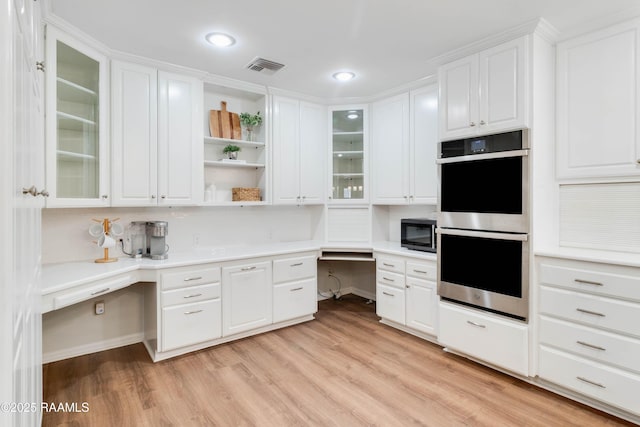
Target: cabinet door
[(286, 151), (189, 324), (503, 72), (246, 297), (422, 305), (76, 123), (598, 133), (458, 98), (134, 134), (349, 155), (313, 139), (390, 303), (424, 145), (180, 140), (390, 150)]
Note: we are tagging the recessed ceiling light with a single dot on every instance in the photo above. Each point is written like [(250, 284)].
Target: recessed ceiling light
[(352, 116), (344, 76), (220, 39)]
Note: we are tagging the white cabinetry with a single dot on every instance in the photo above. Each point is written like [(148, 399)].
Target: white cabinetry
[(247, 297), (295, 287), (299, 138), (252, 166), (156, 137), (406, 293), (404, 141), (485, 93), (598, 115), (589, 342), (491, 338), (77, 168)]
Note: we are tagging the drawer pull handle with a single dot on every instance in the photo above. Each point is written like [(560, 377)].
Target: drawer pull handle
[(420, 271), (588, 282), (388, 294), (297, 264), (586, 344), (387, 279), (253, 267), (591, 382), (296, 289), (595, 313), (479, 325), (190, 279), (388, 265), (192, 312), (100, 291), (192, 296)]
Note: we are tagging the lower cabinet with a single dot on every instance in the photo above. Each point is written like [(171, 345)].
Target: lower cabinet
[(406, 292), (494, 339), (246, 297), (295, 287)]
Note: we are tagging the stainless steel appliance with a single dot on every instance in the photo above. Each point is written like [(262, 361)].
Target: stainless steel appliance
[(483, 240), (418, 234), (156, 244)]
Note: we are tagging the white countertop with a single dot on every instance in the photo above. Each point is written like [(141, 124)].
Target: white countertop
[(394, 248), (591, 255), (57, 277)]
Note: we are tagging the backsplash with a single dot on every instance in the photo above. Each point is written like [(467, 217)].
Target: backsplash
[(65, 235)]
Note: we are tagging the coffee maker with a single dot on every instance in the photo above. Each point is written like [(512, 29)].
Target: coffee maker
[(148, 239)]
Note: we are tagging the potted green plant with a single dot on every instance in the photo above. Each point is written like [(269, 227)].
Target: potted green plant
[(231, 151), (249, 121)]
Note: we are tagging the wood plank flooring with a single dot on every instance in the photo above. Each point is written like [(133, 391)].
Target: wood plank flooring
[(342, 369)]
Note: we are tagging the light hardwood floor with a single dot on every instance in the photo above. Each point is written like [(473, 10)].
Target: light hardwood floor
[(342, 369)]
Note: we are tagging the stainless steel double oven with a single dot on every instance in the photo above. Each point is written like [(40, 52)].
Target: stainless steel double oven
[(483, 225)]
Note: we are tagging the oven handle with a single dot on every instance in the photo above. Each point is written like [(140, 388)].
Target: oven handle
[(483, 234), (473, 157)]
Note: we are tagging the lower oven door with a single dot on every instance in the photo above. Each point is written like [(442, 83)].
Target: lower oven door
[(488, 270)]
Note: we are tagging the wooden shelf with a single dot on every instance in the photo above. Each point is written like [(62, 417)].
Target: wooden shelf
[(71, 122), (238, 142), (221, 164), (72, 92)]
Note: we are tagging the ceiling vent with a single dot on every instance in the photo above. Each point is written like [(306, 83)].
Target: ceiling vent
[(265, 66)]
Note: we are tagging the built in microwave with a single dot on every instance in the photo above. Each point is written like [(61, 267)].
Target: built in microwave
[(418, 234)]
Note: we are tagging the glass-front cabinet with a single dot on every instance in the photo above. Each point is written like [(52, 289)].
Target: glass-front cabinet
[(77, 159), (349, 162)]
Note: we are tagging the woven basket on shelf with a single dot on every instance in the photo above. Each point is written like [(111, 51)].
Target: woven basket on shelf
[(245, 194)]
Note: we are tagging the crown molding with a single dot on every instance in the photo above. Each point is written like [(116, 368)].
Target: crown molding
[(601, 22), (161, 65), (76, 33)]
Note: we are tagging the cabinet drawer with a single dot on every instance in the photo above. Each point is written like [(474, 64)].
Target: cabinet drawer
[(615, 349), (601, 312), (390, 303), (613, 386), (288, 269), (191, 294), (499, 341), (295, 299), (390, 264), (390, 279), (588, 278), (422, 270), (98, 289), (189, 277), (189, 324)]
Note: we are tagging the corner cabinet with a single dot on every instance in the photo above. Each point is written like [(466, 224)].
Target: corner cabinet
[(404, 140), (486, 92), (156, 137), (349, 154), (299, 135), (598, 115), (251, 168), (77, 161)]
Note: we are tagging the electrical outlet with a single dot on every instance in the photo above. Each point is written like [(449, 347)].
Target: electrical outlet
[(100, 307)]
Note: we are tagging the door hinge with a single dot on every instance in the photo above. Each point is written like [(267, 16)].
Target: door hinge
[(40, 66)]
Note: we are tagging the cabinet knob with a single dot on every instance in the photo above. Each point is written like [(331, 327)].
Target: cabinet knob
[(105, 197), (482, 122), (31, 190), (472, 124), (163, 197), (153, 196), (43, 193), (40, 65)]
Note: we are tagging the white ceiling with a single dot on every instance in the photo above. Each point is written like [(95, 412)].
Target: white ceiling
[(387, 43)]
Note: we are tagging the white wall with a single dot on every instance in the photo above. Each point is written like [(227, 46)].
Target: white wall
[(66, 238)]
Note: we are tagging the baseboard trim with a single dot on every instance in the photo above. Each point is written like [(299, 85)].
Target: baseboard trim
[(94, 347)]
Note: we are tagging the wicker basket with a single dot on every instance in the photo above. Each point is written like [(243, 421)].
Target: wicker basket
[(240, 194)]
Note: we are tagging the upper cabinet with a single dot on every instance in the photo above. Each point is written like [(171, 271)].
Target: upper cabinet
[(485, 93), (598, 114), (77, 163), (348, 154), (223, 105), (299, 141), (156, 137), (404, 139)]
